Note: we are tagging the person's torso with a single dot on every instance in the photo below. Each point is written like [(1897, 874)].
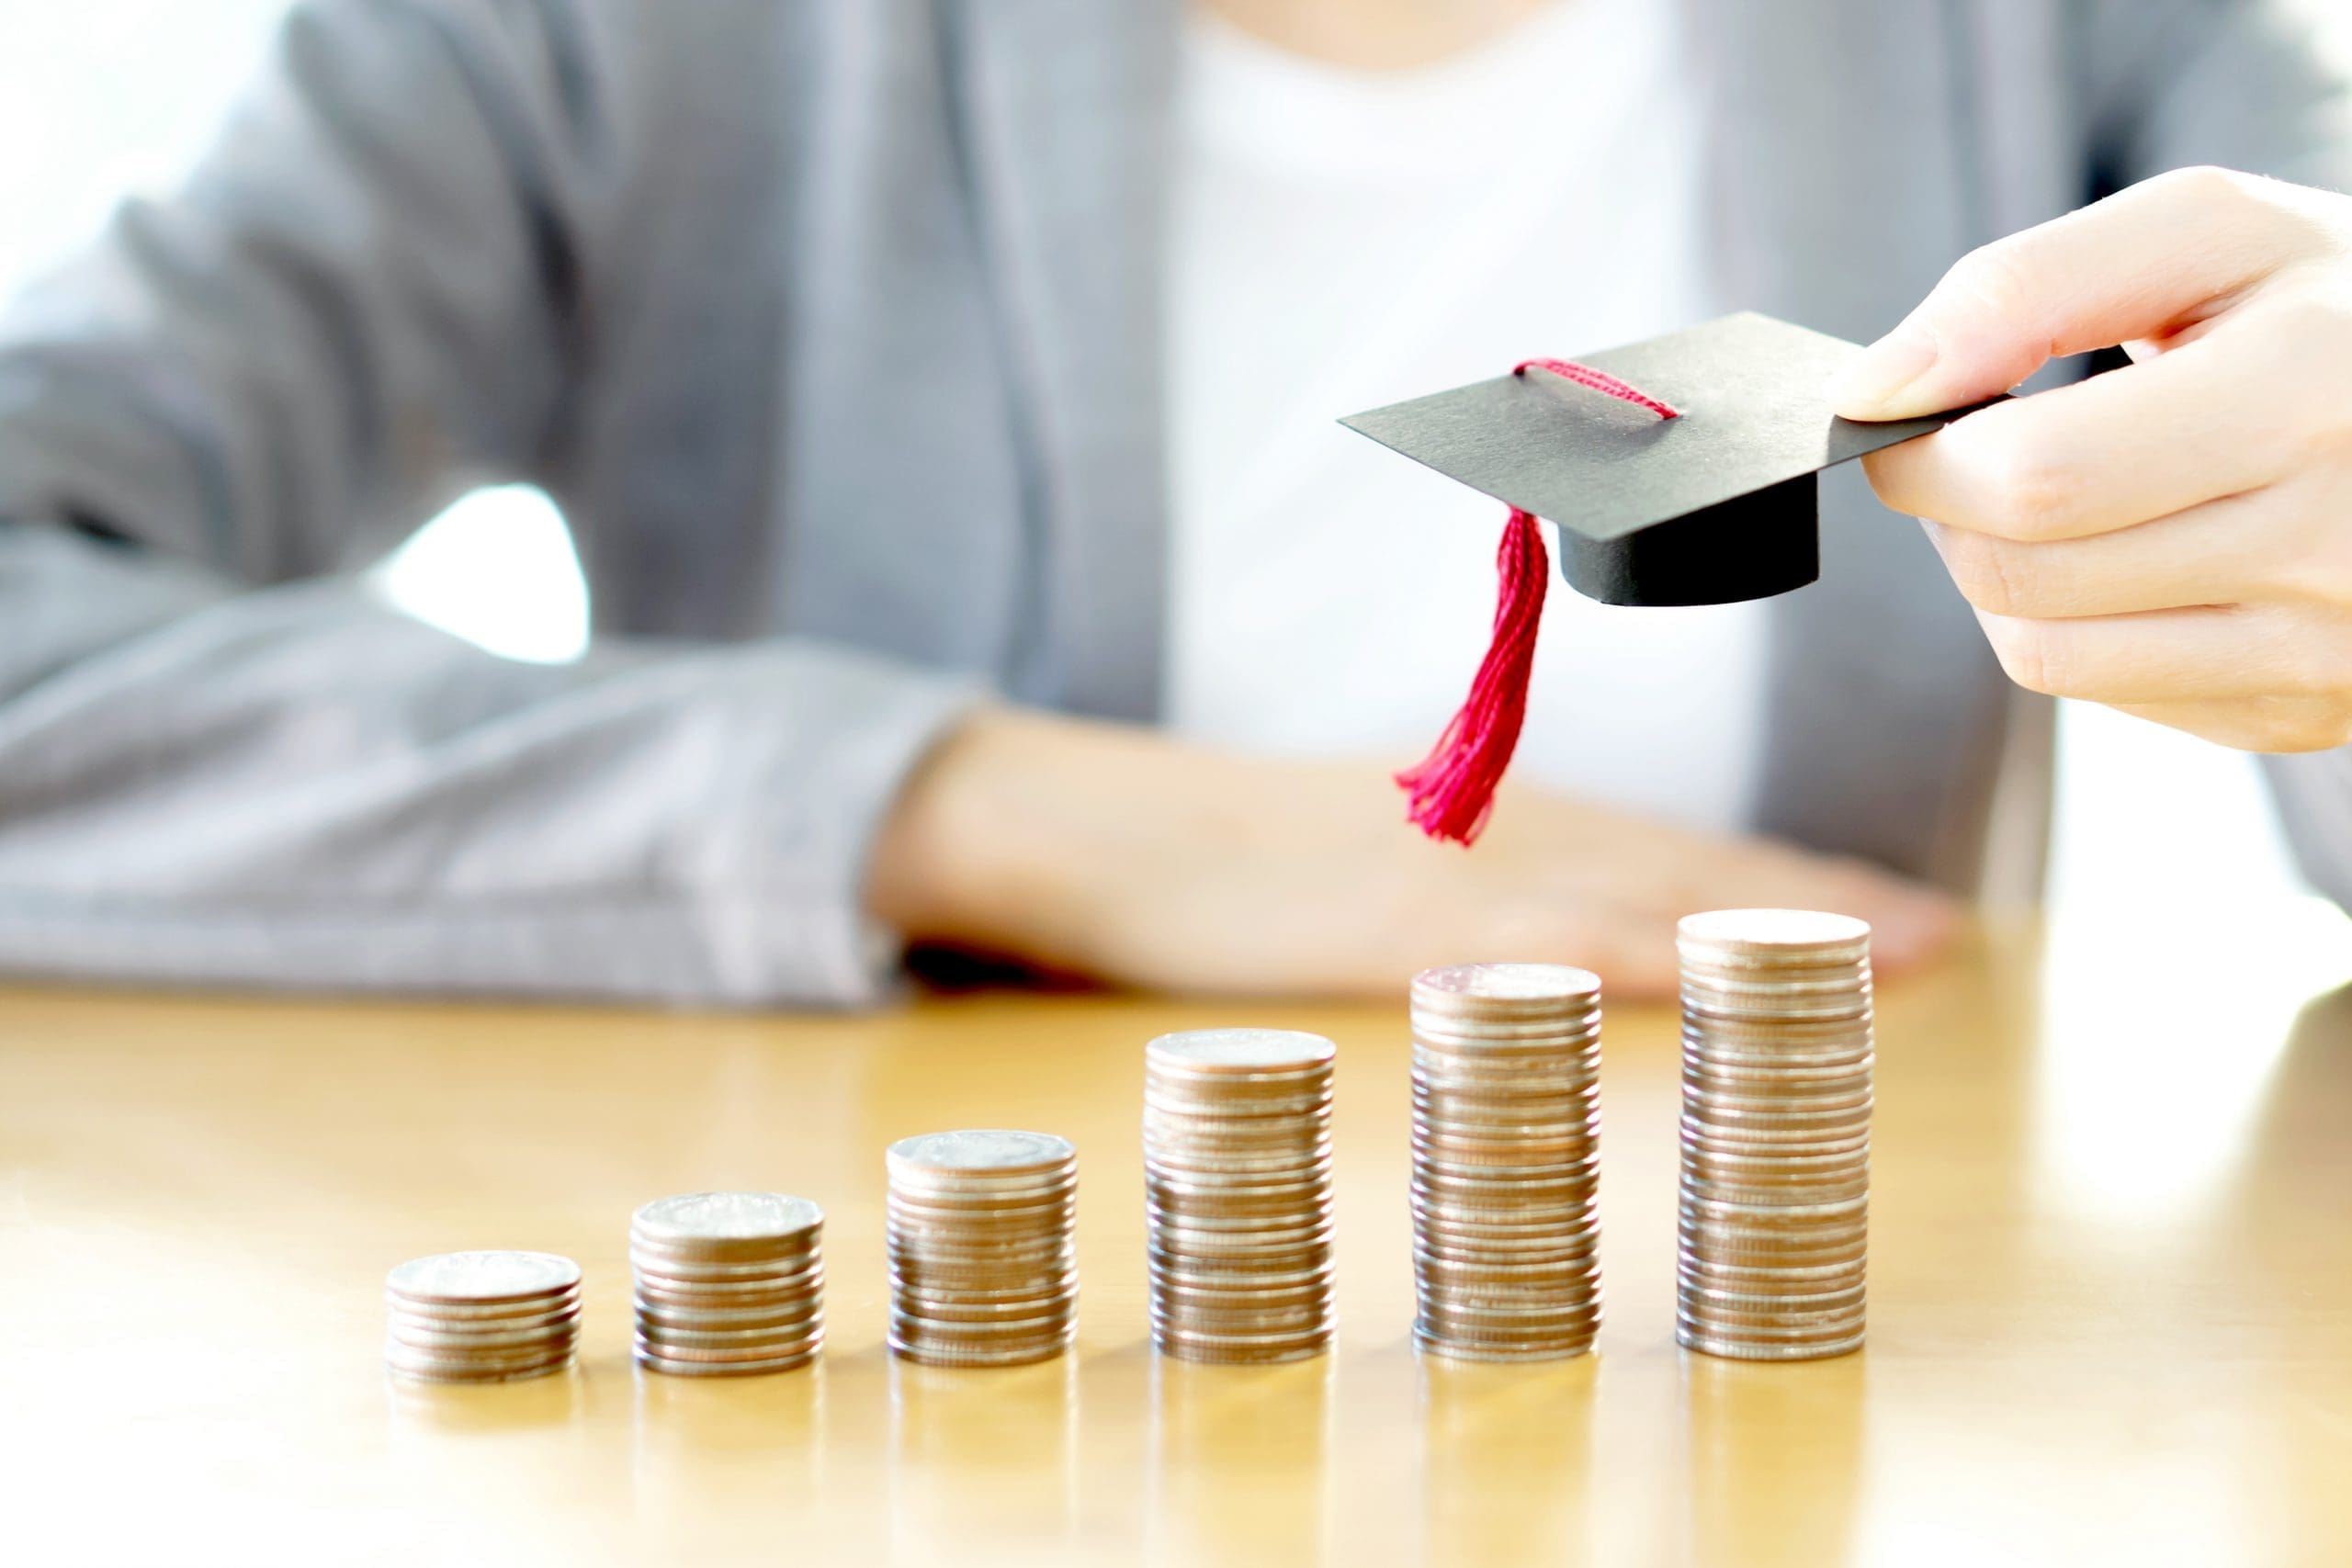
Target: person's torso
[(879, 352), (1342, 239)]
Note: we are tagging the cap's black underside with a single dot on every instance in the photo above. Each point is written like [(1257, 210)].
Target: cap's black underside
[(1751, 548)]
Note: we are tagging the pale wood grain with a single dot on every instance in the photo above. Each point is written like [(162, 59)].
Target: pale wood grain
[(2099, 1333)]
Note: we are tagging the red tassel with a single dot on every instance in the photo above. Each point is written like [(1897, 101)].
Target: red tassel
[(1453, 789)]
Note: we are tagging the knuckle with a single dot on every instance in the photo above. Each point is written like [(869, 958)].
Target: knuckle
[(2211, 186), (1986, 573), (2032, 654), (2309, 669), (2304, 334), (2301, 725), (1991, 282), (2318, 732), (2238, 208), (2330, 674), (2039, 497)]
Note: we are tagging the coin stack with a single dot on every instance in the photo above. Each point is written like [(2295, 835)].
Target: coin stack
[(482, 1316), (1237, 1147), (982, 1243), (1506, 1160), (1776, 1132), (728, 1283)]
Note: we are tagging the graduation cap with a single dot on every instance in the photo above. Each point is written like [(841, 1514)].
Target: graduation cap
[(1683, 470), (1716, 505)]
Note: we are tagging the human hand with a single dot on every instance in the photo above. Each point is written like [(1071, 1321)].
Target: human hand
[(1122, 855), (2174, 538)]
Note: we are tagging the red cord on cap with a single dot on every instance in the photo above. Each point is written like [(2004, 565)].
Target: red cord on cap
[(1599, 381), (1453, 789)]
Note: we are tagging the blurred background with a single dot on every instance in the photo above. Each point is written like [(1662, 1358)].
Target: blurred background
[(99, 97)]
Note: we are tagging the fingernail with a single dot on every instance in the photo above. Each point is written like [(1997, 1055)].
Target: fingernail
[(1867, 388)]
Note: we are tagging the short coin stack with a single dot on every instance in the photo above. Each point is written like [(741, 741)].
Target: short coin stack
[(1776, 1126), (982, 1243), (1506, 1160), (482, 1316), (728, 1283), (1237, 1144)]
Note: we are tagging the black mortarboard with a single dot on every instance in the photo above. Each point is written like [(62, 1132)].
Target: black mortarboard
[(1717, 505)]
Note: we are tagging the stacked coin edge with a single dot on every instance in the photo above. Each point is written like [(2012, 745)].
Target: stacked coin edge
[(727, 1284), (982, 1247), (1236, 1135), (1778, 1057), (488, 1317), (1505, 1161)]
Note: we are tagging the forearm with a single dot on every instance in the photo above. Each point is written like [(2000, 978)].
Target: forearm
[(1111, 852), (304, 788), (1000, 838)]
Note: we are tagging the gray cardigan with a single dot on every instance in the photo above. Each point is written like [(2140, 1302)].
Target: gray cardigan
[(831, 325)]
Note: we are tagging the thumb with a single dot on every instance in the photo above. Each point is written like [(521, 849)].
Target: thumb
[(2140, 263)]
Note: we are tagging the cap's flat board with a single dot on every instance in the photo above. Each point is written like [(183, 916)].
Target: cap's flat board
[(1753, 394)]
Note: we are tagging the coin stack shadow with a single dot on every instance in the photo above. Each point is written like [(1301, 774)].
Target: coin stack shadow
[(1776, 1127), (729, 1285), (482, 1316), (1507, 1160), (1237, 1142), (982, 1244)]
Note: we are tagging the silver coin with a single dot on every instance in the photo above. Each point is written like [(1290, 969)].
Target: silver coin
[(997, 1316), (693, 1221), (1790, 1267), (993, 1151), (688, 1344), (1461, 1350), (1275, 1340), (1506, 987), (1740, 1350), (704, 1298), (566, 1311), (1186, 1350), (1495, 1242), (653, 1362), (1729, 1252), (666, 1322), (671, 1352), (974, 1360), (1825, 1332), (1240, 1051), (1191, 1102), (1458, 1320), (1771, 932), (1007, 1334), (1295, 1264), (1206, 1281), (725, 1315), (467, 1346), (426, 1372), (440, 1367), (767, 1275), (976, 1239), (482, 1276)]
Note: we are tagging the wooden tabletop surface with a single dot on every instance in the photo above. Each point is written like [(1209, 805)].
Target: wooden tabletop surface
[(2110, 1293)]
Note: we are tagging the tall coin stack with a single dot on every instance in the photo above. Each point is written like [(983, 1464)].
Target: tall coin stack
[(728, 1283), (1237, 1148), (482, 1316), (1506, 1160), (1776, 1132), (982, 1243)]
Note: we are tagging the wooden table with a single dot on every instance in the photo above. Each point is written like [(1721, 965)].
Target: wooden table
[(2110, 1298)]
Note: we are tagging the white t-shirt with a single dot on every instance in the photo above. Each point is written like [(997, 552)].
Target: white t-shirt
[(1343, 240)]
